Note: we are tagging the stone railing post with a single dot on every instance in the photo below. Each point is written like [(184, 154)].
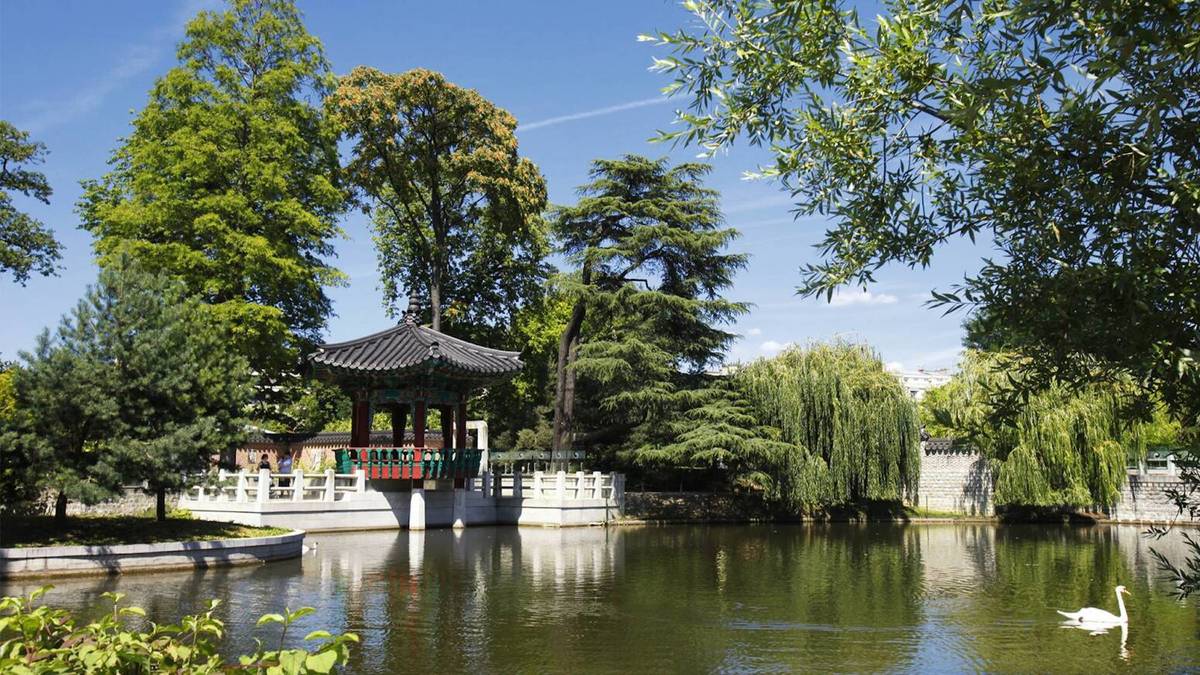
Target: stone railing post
[(239, 495), (560, 480), (619, 489), (537, 484), (1171, 468), (517, 487), (297, 485), (360, 483), (597, 485), (330, 486), (580, 481), (264, 486), (487, 484)]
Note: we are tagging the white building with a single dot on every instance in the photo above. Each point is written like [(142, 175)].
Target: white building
[(917, 382)]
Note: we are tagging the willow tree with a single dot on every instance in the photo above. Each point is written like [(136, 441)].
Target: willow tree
[(813, 427), (228, 182), (854, 427), (648, 242), (1063, 446), (457, 210)]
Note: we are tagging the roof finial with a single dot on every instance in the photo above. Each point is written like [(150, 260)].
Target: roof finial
[(414, 308)]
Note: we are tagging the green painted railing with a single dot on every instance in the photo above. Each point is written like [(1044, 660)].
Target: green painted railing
[(410, 463)]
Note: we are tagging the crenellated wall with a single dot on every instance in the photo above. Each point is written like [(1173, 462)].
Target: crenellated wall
[(956, 479)]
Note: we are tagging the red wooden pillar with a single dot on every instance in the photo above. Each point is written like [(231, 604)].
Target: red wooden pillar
[(399, 415), (447, 413), (419, 424), (360, 422), (460, 440), (460, 435)]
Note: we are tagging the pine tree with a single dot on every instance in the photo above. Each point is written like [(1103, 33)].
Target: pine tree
[(648, 242), (181, 393), (229, 182), (137, 384)]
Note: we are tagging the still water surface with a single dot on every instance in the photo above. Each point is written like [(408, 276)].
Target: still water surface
[(917, 598)]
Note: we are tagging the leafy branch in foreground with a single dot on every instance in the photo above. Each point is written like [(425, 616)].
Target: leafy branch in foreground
[(40, 639), (1187, 499)]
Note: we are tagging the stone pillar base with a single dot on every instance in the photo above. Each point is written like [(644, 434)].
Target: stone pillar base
[(416, 509), (460, 508)]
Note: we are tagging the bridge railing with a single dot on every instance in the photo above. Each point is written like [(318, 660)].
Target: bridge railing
[(560, 486), (264, 486)]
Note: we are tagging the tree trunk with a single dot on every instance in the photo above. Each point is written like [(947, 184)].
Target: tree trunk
[(564, 387), (60, 509), (435, 300), (160, 504)]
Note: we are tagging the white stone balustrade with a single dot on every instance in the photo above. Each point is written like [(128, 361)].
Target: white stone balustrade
[(265, 487)]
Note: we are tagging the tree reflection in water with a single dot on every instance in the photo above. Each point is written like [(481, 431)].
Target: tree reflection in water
[(702, 598)]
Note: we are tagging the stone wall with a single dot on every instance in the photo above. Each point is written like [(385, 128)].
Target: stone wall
[(1144, 499), (133, 501), (954, 480)]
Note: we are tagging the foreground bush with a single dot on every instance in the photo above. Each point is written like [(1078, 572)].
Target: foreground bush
[(39, 639)]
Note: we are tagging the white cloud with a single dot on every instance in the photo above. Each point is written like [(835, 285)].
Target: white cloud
[(754, 332), (608, 110), (135, 60), (894, 366), (861, 297), (939, 358), (771, 347)]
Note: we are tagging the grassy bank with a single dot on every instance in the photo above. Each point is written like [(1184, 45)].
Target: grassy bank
[(115, 530)]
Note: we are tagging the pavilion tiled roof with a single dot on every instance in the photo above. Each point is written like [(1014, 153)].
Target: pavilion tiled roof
[(407, 347)]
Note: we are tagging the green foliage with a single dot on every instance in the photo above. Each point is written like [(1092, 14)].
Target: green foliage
[(851, 419), (228, 182), (649, 243), (40, 639), (26, 245), (933, 400), (457, 210), (1061, 446), (811, 428), (1065, 133), (136, 384)]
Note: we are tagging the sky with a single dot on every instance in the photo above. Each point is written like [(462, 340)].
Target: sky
[(73, 73)]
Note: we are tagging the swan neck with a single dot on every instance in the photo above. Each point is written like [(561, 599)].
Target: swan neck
[(1121, 606)]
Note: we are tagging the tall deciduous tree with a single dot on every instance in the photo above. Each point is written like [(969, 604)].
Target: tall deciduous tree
[(25, 243), (1066, 132), (457, 209), (229, 182), (649, 245)]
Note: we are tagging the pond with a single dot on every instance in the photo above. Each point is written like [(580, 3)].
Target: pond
[(916, 598)]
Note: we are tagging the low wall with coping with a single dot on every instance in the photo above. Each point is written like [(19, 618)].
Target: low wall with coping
[(118, 559)]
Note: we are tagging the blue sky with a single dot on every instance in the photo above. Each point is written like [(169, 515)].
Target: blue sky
[(73, 72)]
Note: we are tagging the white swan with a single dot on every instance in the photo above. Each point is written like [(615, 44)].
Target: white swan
[(1092, 615)]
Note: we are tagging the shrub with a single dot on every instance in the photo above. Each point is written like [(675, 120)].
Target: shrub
[(40, 639)]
